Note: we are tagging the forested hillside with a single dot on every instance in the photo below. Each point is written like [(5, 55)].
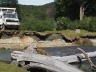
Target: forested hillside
[(37, 18)]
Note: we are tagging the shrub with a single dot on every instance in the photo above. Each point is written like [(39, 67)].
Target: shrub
[(45, 25), (38, 25), (63, 23), (92, 24), (84, 42), (74, 24), (84, 24)]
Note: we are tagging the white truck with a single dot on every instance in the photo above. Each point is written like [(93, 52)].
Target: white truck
[(8, 18)]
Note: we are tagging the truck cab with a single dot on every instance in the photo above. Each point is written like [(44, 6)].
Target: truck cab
[(9, 18)]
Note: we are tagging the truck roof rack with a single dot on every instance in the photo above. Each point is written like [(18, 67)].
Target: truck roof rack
[(7, 10)]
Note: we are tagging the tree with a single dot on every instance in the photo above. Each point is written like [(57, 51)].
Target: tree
[(65, 9), (83, 4), (9, 3), (50, 11), (69, 7)]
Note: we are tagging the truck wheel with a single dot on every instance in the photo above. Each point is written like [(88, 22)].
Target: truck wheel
[(3, 27)]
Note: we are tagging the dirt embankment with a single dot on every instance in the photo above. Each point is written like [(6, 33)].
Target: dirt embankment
[(22, 39)]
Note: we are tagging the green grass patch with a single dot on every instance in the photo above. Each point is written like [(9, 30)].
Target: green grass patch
[(84, 31), (10, 68), (83, 69)]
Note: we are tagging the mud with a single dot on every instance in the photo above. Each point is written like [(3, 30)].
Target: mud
[(12, 39)]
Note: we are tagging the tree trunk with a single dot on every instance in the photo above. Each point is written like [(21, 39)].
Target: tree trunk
[(45, 62), (81, 11)]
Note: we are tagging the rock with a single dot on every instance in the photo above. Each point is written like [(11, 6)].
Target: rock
[(93, 41), (31, 49), (77, 31)]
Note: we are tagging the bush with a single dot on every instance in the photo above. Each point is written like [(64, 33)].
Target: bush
[(84, 24), (38, 25), (63, 23), (84, 42), (45, 25), (92, 24), (88, 23), (74, 25)]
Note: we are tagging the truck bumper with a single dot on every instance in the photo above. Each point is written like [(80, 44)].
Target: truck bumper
[(12, 26)]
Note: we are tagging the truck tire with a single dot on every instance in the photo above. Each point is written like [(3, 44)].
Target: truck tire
[(17, 28), (3, 27)]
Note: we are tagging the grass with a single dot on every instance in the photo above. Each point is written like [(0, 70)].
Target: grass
[(67, 33), (10, 68), (70, 34), (83, 69), (3, 48), (84, 42)]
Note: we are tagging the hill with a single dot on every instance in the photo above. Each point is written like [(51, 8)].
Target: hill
[(36, 15), (31, 10), (48, 5), (45, 6)]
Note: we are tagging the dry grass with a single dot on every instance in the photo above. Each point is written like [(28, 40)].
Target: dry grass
[(84, 42), (42, 52), (70, 34)]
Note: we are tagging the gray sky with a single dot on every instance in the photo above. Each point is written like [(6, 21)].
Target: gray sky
[(34, 2)]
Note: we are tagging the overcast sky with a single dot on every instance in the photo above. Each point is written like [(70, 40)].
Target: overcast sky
[(34, 2)]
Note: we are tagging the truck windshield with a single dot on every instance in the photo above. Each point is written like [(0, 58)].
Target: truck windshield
[(10, 16)]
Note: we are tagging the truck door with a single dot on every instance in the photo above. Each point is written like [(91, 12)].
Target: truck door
[(0, 19)]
